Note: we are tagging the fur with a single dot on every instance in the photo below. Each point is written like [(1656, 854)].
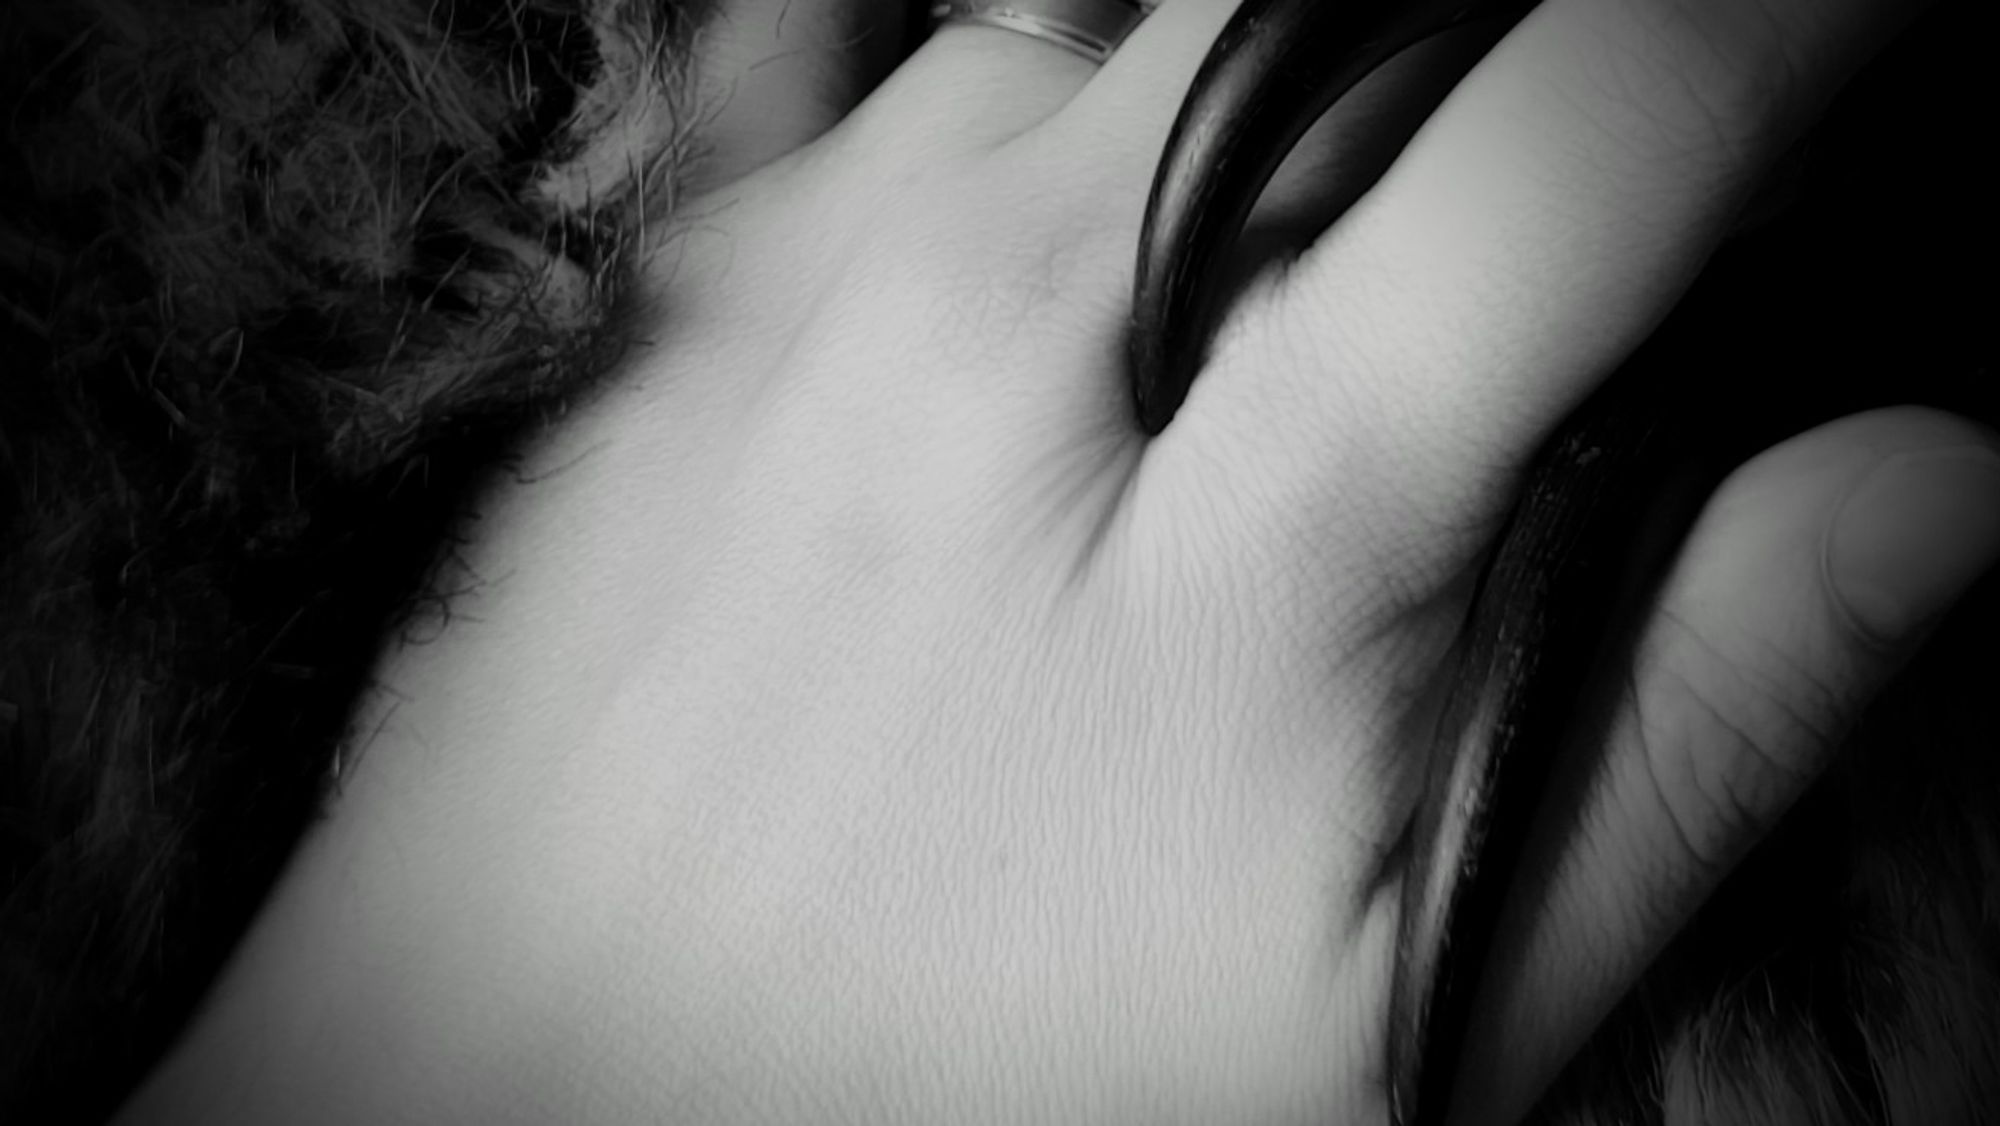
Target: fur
[(280, 279)]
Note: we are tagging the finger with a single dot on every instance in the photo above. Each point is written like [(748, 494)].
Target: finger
[(1348, 148), (986, 73), (1809, 580), (1125, 110), (771, 75), (1277, 66), (1245, 80), (1531, 234)]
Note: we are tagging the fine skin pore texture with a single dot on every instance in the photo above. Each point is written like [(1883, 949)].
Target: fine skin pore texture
[(1772, 1020), (1567, 590)]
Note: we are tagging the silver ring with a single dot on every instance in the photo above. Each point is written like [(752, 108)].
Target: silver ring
[(1091, 28)]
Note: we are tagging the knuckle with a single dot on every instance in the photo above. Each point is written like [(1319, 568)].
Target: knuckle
[(1713, 78), (1728, 743)]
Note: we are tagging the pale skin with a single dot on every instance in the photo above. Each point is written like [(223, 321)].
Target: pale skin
[(861, 722)]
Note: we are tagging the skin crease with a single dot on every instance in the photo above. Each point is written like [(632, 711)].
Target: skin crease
[(856, 720)]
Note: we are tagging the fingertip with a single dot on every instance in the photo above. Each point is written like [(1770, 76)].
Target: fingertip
[(1815, 573), (1910, 537)]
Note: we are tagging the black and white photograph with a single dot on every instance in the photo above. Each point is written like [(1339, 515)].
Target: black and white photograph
[(999, 563)]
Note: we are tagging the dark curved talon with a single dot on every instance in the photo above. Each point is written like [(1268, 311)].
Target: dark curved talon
[(1276, 68), (1546, 647), (1541, 667)]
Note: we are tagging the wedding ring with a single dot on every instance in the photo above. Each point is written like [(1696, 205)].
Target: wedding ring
[(1091, 28)]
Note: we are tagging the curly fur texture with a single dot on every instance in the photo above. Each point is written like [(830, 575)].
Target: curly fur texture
[(280, 279)]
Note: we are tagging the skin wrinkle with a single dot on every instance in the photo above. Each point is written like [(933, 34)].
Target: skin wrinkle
[(686, 433), (1291, 560), (1757, 682), (1342, 374), (1687, 767)]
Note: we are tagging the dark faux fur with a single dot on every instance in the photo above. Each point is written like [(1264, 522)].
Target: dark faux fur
[(279, 279)]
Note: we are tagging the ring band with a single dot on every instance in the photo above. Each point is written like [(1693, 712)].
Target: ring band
[(1091, 28)]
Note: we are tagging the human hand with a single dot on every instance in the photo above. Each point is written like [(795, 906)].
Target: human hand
[(861, 722)]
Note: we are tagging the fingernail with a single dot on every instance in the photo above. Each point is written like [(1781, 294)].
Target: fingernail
[(1912, 536)]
